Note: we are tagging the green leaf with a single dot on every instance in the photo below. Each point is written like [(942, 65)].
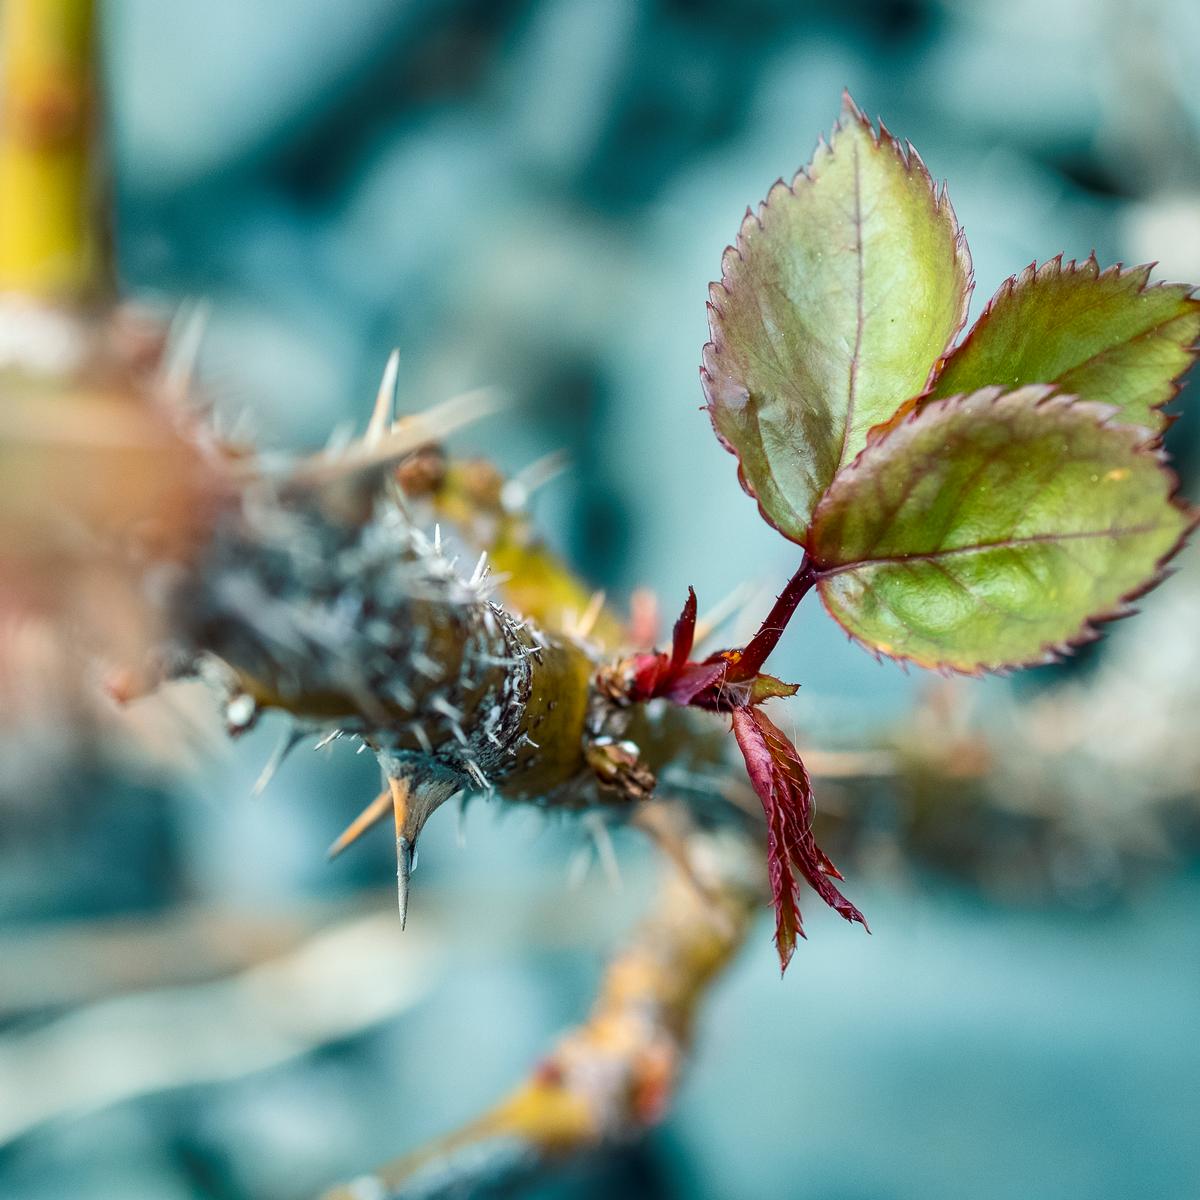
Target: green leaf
[(993, 530), (839, 298), (1100, 335)]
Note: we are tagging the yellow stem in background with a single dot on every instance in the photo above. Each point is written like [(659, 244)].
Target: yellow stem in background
[(49, 245)]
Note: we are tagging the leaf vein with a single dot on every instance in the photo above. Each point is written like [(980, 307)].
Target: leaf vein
[(860, 319), (1010, 543)]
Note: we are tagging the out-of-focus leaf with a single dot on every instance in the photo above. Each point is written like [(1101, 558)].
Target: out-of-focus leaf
[(1100, 335), (839, 298), (993, 530), (781, 781)]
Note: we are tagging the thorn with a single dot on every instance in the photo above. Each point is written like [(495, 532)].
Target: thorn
[(460, 825), (442, 705), (480, 572), (367, 819), (579, 865), (582, 628), (404, 866), (340, 438), (514, 496), (437, 540), (384, 412), (331, 736), (286, 744), (418, 731), (405, 436), (399, 790), (473, 769), (425, 665), (605, 851), (179, 367)]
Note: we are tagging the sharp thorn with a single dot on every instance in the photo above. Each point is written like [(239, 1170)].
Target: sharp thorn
[(606, 853), (369, 817), (480, 572), (517, 490), (460, 826), (183, 351), (587, 622), (404, 865), (578, 865), (291, 738), (400, 790), (384, 412)]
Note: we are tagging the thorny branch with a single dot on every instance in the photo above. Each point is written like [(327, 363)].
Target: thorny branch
[(327, 601), (325, 590)]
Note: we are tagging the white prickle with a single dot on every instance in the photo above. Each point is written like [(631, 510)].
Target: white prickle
[(384, 412), (426, 665), (442, 705), (480, 572), (477, 774)]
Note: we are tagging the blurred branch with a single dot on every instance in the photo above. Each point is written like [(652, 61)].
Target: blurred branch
[(614, 1076), (49, 964), (334, 985)]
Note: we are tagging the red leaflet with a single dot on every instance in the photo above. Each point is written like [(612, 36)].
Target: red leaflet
[(684, 635), (782, 784), (720, 683), (730, 682), (656, 674), (695, 683)]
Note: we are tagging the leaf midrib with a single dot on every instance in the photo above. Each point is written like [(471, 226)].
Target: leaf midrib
[(860, 319), (936, 556)]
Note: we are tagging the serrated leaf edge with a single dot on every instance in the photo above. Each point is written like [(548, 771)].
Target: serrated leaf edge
[(1060, 267), (911, 161), (1090, 630)]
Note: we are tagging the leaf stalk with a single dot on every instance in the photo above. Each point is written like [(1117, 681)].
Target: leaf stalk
[(760, 646)]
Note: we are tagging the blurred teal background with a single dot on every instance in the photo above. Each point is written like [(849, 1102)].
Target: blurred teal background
[(535, 196)]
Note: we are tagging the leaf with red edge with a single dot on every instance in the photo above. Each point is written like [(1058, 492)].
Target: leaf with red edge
[(841, 296), (995, 530), (656, 674), (1109, 336), (782, 783), (693, 681), (684, 635), (648, 671)]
